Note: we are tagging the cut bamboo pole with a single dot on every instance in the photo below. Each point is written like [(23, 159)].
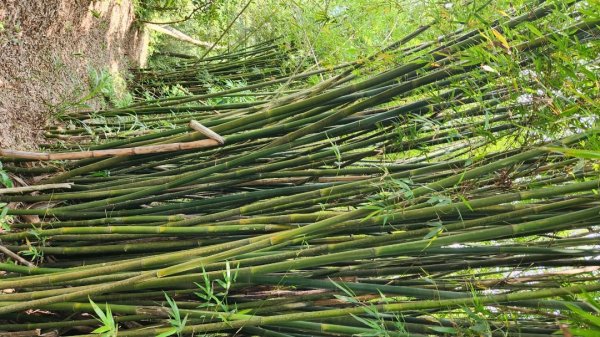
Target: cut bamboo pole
[(34, 188), (151, 149), (206, 131)]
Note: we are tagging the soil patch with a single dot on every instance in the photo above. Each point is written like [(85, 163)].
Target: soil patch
[(48, 49)]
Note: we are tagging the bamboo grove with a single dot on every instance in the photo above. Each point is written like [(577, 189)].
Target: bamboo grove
[(410, 193)]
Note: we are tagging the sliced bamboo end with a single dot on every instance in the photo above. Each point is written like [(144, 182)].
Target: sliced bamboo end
[(195, 125)]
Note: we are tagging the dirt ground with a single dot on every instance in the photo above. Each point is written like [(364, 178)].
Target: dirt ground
[(48, 49)]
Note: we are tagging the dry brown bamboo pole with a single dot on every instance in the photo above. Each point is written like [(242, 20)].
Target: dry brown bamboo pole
[(150, 149)]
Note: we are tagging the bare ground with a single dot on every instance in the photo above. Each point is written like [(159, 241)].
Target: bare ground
[(47, 50)]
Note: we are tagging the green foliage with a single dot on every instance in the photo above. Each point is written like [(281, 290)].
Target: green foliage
[(437, 229), (103, 173), (105, 88), (374, 320), (5, 219), (385, 202), (99, 83), (33, 252), (174, 91), (193, 17), (111, 87), (336, 151), (583, 323), (213, 297), (109, 327), (170, 10), (326, 32), (4, 178), (177, 323), (329, 33)]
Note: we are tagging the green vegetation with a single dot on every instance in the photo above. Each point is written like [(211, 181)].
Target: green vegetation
[(380, 173), (177, 323), (5, 219), (109, 328)]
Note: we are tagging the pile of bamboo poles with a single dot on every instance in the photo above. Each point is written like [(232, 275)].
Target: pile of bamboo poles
[(253, 65), (371, 203)]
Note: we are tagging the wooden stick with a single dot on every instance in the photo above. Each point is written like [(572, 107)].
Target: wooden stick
[(33, 188), (16, 257), (206, 131), (204, 143)]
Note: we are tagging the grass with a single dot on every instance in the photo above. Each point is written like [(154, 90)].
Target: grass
[(104, 89), (209, 293), (112, 87), (583, 323)]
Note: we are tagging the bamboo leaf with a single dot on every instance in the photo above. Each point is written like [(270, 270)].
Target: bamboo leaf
[(167, 333), (433, 233), (501, 38), (585, 333), (533, 29), (101, 329), (98, 311), (589, 318)]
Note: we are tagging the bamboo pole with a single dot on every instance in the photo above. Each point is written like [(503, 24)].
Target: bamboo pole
[(141, 150), (206, 131), (34, 188)]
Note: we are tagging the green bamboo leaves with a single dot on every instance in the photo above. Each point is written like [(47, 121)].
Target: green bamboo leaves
[(109, 328)]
